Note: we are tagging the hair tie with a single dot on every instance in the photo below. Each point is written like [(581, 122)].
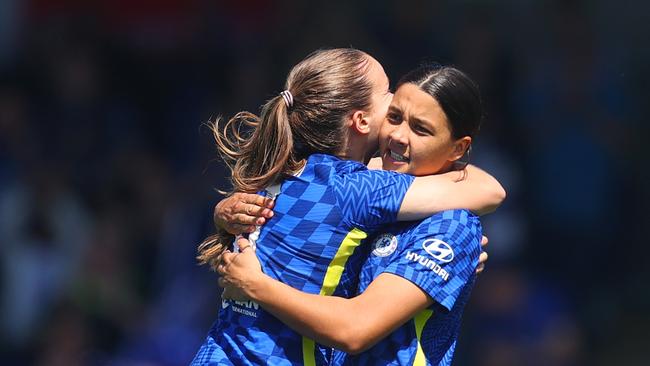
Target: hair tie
[(288, 98)]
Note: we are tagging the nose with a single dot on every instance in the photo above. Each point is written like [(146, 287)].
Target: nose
[(399, 135)]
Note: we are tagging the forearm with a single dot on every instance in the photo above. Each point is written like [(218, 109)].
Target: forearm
[(351, 325), (325, 319), (471, 189)]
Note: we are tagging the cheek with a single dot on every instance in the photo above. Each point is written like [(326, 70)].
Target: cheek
[(385, 105), (430, 155), (382, 103)]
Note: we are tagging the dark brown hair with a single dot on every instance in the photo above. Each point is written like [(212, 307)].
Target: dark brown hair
[(457, 94), (327, 86)]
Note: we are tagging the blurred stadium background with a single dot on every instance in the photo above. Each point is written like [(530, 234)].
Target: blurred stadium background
[(107, 176)]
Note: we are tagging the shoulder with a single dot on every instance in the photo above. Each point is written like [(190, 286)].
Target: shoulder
[(358, 174), (325, 167), (338, 165), (352, 170), (459, 215), (460, 230), (439, 254), (447, 221)]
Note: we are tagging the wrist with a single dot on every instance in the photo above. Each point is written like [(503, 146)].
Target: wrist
[(258, 286)]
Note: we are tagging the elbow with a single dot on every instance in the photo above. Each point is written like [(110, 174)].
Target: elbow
[(499, 195), (496, 194), (353, 342), (354, 347), (351, 334)]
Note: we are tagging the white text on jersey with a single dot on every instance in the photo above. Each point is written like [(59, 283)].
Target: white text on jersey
[(429, 263)]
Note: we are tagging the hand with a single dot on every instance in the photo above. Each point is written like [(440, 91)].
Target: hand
[(240, 212), (483, 257), (239, 272)]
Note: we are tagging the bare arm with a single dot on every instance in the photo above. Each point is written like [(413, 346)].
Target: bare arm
[(472, 189), (351, 325)]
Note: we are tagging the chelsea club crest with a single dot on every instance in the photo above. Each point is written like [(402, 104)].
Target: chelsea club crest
[(384, 245)]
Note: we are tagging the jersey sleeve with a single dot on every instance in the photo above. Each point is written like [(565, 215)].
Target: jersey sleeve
[(440, 256), (371, 198)]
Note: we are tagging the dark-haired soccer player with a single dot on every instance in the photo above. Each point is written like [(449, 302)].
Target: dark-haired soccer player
[(418, 276)]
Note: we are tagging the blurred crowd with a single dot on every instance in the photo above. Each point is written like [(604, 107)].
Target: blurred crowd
[(108, 175)]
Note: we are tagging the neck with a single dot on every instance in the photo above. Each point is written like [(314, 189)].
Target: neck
[(449, 166), (357, 148)]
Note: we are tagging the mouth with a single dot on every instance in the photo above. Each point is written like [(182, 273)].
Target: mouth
[(397, 157)]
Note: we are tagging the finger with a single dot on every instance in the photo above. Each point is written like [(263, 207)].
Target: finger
[(253, 205), (220, 256), (243, 244), (483, 257), (257, 200), (484, 241), (242, 228), (269, 203), (222, 268), (226, 258), (241, 220), (257, 211), (219, 259), (480, 268), (244, 219), (238, 229)]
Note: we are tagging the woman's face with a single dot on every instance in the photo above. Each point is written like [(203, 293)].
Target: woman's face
[(415, 137)]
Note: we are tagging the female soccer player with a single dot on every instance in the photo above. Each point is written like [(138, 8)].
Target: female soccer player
[(416, 281), (330, 111)]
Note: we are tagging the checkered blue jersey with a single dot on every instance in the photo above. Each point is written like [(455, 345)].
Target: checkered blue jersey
[(321, 218), (439, 255)]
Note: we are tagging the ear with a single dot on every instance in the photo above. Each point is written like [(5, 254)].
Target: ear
[(360, 123), (460, 148)]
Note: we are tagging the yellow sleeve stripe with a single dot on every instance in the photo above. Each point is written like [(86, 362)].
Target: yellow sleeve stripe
[(308, 349), (331, 281), (420, 321), (335, 269)]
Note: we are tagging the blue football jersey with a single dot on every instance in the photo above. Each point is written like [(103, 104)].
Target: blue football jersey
[(321, 218), (439, 255)]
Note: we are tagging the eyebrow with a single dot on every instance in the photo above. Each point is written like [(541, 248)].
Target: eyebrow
[(423, 123), (392, 108)]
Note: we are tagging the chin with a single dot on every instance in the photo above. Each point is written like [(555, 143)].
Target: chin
[(401, 168)]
